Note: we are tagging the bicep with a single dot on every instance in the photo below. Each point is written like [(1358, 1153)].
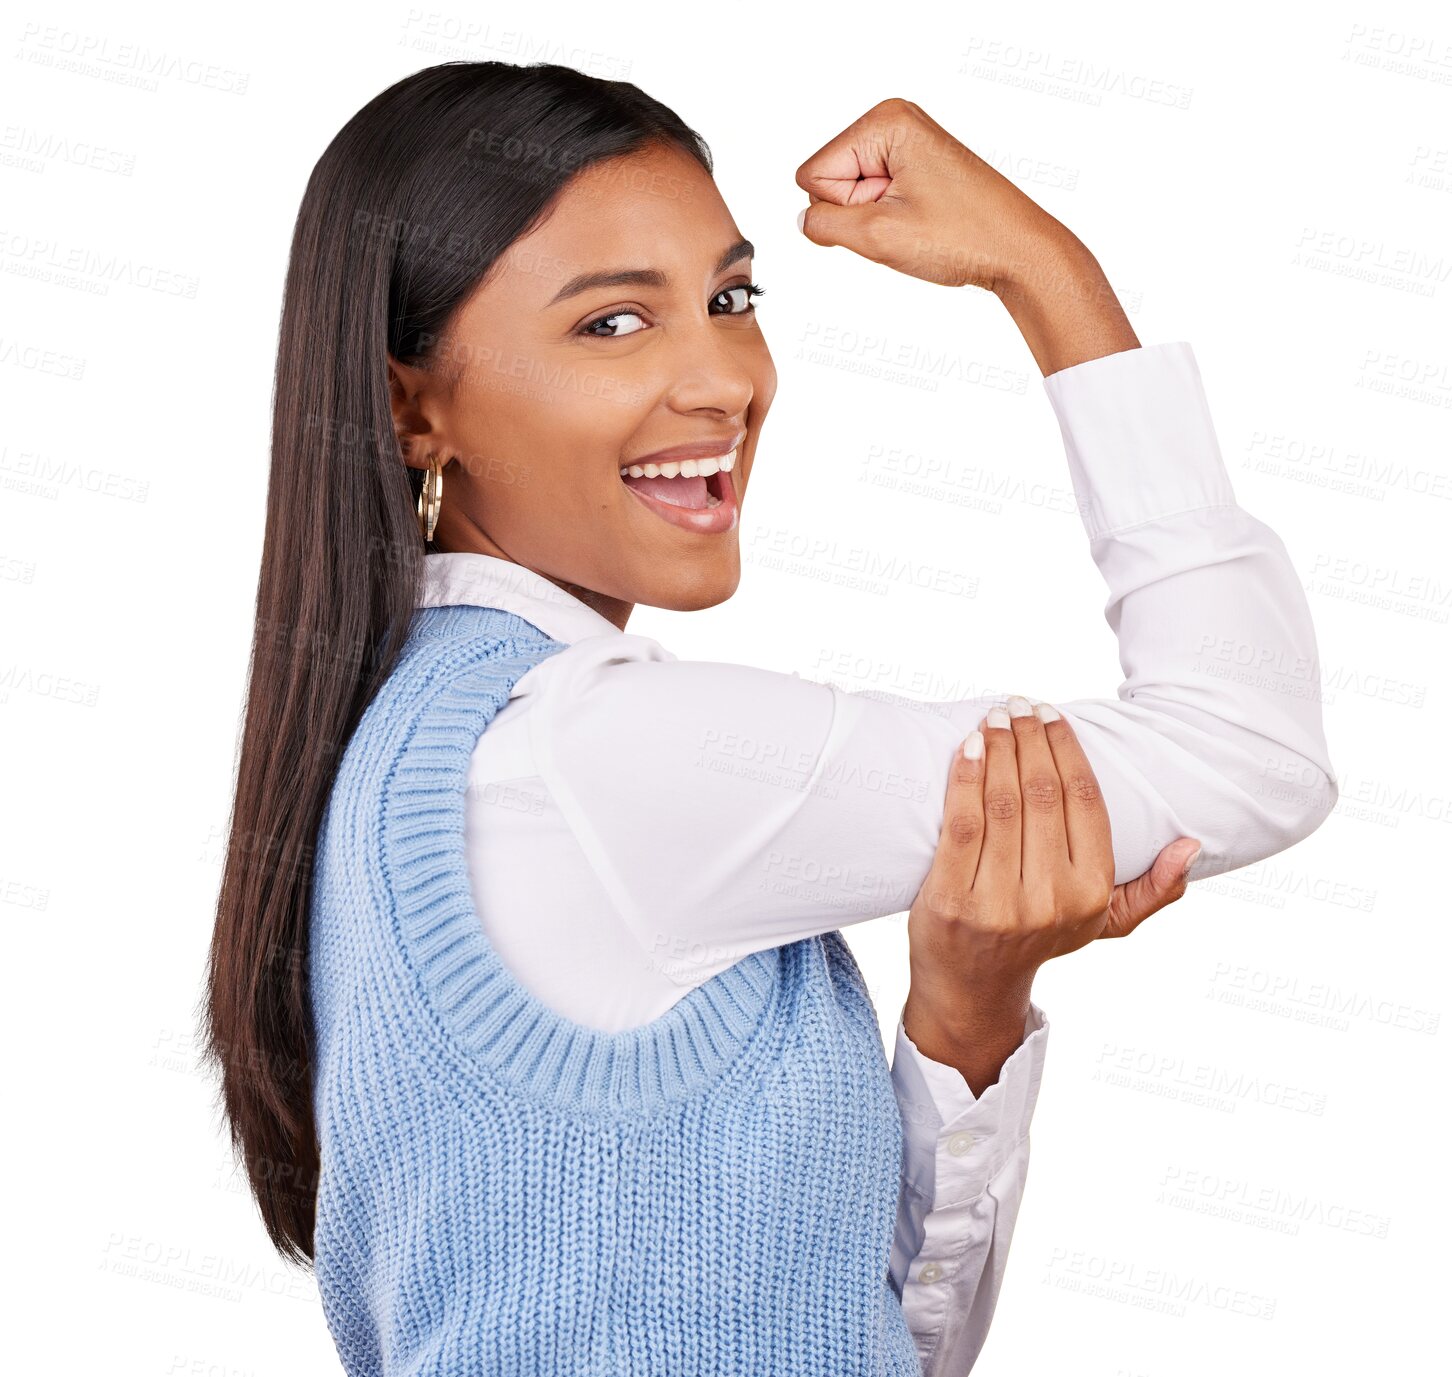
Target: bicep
[(1167, 768), (724, 804)]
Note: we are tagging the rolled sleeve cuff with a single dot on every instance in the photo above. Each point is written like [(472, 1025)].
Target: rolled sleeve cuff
[(1139, 437), (956, 1142)]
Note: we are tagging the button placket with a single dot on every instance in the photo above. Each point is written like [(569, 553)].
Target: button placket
[(962, 1159)]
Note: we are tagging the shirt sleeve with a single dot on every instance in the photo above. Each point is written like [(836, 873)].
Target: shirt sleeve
[(965, 1163), (728, 808)]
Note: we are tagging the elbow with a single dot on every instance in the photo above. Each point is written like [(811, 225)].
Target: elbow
[(1316, 804), (1295, 804), (1266, 827)]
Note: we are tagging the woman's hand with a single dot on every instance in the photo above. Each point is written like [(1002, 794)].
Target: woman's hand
[(1024, 869), (898, 189), (1024, 872)]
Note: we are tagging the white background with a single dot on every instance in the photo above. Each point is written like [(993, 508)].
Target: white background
[(1271, 183)]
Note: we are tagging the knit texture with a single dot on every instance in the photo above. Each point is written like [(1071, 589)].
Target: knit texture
[(505, 1191)]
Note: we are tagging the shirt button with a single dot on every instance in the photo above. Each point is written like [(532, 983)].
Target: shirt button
[(959, 1143), (930, 1271)]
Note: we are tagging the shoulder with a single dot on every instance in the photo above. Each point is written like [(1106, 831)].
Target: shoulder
[(596, 654), (453, 658)]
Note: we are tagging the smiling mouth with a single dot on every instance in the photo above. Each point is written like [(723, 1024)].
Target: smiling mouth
[(690, 490)]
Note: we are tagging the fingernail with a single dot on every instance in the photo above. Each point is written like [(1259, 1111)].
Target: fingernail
[(1046, 712), (973, 746), (998, 718), (1189, 861), (1019, 707), (802, 220)]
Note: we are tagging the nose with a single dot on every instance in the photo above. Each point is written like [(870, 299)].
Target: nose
[(712, 368)]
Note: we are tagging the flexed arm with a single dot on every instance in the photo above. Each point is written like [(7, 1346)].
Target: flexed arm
[(1217, 730)]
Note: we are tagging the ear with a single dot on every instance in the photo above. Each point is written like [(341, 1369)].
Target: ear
[(413, 394)]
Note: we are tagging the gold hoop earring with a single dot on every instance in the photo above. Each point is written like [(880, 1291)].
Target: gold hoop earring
[(431, 498)]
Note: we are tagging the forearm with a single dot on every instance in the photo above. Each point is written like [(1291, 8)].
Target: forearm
[(974, 1029), (1062, 303)]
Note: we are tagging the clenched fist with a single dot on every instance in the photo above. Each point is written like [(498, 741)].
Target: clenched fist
[(899, 189)]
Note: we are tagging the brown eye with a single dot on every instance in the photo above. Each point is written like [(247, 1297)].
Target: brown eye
[(743, 305), (604, 320)]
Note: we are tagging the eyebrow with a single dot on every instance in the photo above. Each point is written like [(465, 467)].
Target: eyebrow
[(644, 277)]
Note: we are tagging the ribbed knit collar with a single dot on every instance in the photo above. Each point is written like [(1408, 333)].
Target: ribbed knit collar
[(457, 672)]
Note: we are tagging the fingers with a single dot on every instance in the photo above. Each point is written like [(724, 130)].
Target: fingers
[(853, 167), (1045, 838), (960, 841), (1086, 819), (1002, 805)]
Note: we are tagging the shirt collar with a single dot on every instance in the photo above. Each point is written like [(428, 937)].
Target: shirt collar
[(463, 576)]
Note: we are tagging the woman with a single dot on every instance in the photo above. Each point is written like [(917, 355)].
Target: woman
[(554, 1058)]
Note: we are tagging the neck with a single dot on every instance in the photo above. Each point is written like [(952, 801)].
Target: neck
[(612, 609)]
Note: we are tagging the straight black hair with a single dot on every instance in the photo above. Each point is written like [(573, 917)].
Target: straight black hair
[(405, 214)]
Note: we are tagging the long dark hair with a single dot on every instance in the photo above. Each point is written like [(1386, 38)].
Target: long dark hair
[(404, 215)]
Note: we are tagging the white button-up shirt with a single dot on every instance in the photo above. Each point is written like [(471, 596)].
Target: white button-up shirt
[(688, 813)]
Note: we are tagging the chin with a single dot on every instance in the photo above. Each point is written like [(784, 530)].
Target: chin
[(701, 588)]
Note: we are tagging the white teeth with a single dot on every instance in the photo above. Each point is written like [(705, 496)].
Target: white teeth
[(686, 468)]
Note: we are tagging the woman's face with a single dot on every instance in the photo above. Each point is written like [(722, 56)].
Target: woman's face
[(548, 384)]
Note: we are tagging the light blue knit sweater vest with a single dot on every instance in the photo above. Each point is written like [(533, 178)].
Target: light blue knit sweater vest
[(506, 1192)]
